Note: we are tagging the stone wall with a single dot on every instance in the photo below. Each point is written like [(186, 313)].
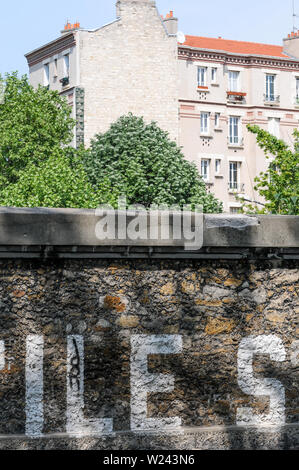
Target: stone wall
[(71, 324), (130, 66)]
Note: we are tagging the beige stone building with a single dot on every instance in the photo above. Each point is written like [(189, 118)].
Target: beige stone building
[(203, 91)]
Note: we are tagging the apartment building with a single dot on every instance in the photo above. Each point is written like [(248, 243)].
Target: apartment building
[(203, 91), (225, 85)]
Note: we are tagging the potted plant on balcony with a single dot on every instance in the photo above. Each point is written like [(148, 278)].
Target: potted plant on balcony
[(65, 81)]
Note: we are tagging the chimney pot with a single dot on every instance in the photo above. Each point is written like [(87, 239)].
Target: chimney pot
[(171, 23)]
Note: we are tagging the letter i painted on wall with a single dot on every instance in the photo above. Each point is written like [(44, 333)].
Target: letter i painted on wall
[(77, 424), (34, 385)]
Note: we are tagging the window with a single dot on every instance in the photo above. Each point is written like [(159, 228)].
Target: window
[(202, 76), (234, 210), (234, 130), (66, 59), (204, 123), (274, 126), (217, 119), (233, 175), (270, 87), (217, 166), (55, 68), (205, 169), (234, 79), (297, 90), (46, 75), (214, 75)]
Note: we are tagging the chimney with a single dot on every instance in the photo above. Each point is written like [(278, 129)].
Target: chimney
[(291, 45), (70, 27), (120, 3), (171, 23)]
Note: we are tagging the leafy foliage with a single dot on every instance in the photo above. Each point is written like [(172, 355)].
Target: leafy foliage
[(279, 185), (143, 164), (37, 168), (59, 181), (33, 124)]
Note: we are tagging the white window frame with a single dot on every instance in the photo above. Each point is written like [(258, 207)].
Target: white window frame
[(55, 66), (46, 71), (205, 165), (66, 65), (234, 209), (274, 126), (234, 183), (270, 87), (202, 76), (214, 75), (218, 166), (234, 138), (204, 123), (217, 120), (234, 80)]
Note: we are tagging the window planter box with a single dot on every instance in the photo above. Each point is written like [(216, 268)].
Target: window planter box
[(203, 88), (236, 93), (236, 97)]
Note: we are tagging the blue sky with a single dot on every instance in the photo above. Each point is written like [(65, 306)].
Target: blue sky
[(28, 24)]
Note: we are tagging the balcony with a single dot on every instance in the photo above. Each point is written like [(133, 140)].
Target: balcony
[(235, 142), (272, 100), (236, 188), (236, 97)]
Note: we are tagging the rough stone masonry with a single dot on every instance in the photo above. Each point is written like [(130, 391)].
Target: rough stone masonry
[(106, 350)]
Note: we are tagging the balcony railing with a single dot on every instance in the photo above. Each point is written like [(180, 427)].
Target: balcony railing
[(272, 99), (236, 187), (235, 141)]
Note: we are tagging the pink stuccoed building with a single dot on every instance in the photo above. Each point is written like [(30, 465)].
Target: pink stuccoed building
[(203, 91)]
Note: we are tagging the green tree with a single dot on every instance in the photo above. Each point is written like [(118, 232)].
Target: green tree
[(143, 164), (33, 123), (58, 181), (279, 185)]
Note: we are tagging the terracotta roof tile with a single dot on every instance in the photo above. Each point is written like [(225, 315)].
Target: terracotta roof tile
[(237, 47)]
